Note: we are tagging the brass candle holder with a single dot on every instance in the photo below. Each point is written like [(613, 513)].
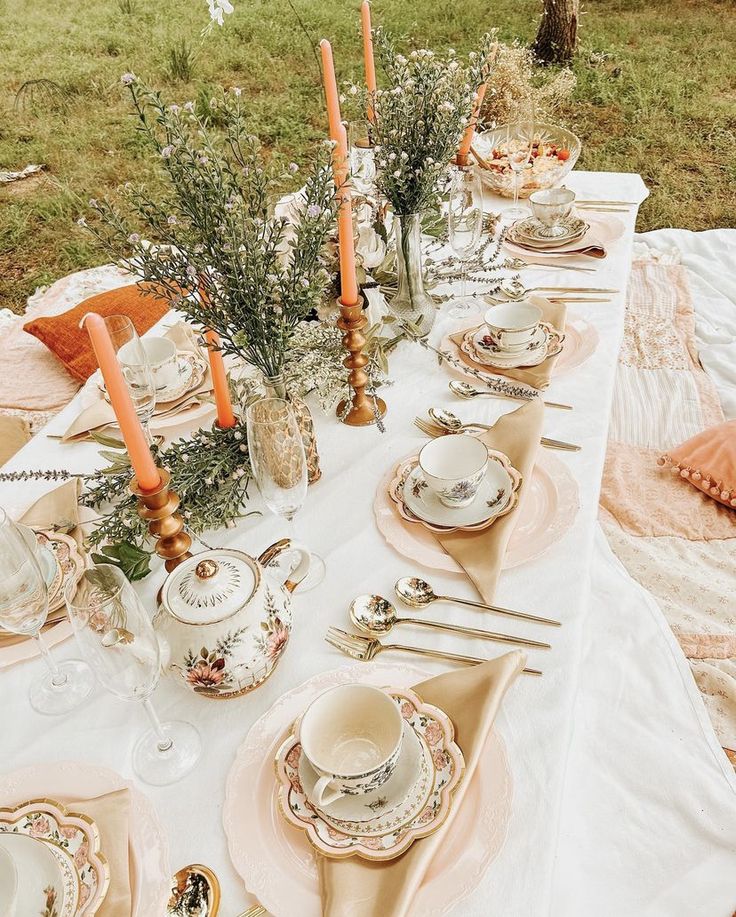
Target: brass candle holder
[(364, 409), (159, 508)]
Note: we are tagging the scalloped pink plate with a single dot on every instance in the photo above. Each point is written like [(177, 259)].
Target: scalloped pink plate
[(581, 340), (545, 513), (276, 861), (71, 782)]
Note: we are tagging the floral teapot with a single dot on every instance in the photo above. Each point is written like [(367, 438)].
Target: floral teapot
[(224, 619)]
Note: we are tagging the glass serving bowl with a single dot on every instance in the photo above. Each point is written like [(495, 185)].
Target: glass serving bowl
[(555, 152)]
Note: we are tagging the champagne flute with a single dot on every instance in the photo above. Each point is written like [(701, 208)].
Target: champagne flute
[(465, 224), (24, 605), (115, 635), (519, 145), (136, 368), (279, 466)]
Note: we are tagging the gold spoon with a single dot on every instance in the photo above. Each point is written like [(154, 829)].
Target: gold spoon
[(376, 616), (464, 390), (195, 892), (417, 593)]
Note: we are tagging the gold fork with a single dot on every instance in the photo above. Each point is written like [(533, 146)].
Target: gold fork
[(366, 648), (434, 431), (255, 911)]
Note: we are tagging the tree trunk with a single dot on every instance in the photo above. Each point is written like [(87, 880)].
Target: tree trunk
[(558, 31)]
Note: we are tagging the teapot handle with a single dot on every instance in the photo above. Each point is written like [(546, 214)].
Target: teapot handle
[(302, 568)]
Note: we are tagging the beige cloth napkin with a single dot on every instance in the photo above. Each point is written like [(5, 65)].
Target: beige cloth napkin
[(15, 432), (481, 554), (539, 377), (99, 415), (471, 698), (110, 813)]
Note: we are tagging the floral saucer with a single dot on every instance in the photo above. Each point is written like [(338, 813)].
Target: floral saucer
[(74, 835), (480, 347), (531, 232), (447, 766), (394, 803), (192, 370), (497, 495), (42, 881)]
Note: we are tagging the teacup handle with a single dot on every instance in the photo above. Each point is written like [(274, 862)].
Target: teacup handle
[(302, 568), (323, 794)]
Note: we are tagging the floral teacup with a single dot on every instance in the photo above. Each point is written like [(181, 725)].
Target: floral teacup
[(454, 466), (351, 735)]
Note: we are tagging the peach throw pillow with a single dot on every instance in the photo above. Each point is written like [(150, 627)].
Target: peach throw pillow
[(63, 336), (708, 462)]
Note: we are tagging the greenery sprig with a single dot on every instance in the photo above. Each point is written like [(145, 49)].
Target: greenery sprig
[(214, 228)]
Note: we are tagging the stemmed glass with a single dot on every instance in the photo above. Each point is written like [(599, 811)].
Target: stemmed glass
[(135, 366), (465, 225), (279, 466), (519, 144), (24, 605), (115, 635)]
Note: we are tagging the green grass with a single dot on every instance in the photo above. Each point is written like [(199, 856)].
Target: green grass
[(656, 95)]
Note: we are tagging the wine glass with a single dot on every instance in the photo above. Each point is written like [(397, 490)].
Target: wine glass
[(115, 635), (519, 144), (465, 225), (135, 366), (279, 466), (24, 605)]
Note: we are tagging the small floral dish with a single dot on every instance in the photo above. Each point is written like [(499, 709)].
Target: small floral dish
[(481, 348), (531, 232), (395, 831), (497, 496), (74, 835), (555, 150), (37, 879), (69, 559), (192, 370)]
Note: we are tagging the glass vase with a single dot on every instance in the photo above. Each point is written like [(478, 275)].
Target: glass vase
[(276, 388), (412, 303)]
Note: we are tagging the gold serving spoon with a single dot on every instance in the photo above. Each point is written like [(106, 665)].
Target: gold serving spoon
[(417, 593), (376, 616), (464, 390), (195, 892)]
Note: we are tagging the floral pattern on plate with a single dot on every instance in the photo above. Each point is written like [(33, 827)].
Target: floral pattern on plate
[(407, 480), (73, 834), (448, 765), (484, 352)]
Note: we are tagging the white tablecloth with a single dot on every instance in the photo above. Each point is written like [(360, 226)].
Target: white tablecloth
[(337, 521)]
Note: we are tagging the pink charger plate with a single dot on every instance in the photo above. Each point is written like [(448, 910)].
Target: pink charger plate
[(581, 341), (71, 782), (546, 511), (276, 861), (604, 230)]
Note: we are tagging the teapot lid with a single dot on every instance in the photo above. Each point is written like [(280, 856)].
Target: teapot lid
[(210, 586)]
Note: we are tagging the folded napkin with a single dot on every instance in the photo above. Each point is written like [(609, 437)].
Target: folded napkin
[(99, 415), (588, 245), (481, 554), (110, 813), (537, 376), (14, 434), (471, 698)]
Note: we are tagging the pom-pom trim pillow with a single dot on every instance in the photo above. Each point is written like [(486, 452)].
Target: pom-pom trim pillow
[(708, 462)]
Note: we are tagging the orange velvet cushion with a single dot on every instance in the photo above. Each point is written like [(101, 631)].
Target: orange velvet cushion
[(63, 336), (708, 462)]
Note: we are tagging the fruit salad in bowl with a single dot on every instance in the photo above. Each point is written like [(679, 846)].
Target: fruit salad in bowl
[(554, 152)]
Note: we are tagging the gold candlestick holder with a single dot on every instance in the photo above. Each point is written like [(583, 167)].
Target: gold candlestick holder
[(363, 409), (159, 509)]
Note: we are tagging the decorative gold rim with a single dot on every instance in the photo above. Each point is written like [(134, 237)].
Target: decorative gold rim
[(446, 793), (94, 830)]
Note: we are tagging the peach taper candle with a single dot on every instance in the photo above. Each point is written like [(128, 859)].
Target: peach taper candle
[(225, 416), (368, 59), (462, 153), (144, 467)]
